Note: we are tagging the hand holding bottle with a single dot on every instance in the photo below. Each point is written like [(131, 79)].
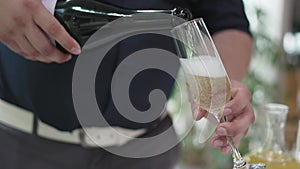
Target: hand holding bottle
[(27, 27)]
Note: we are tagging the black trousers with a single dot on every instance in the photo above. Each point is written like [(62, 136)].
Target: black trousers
[(20, 150)]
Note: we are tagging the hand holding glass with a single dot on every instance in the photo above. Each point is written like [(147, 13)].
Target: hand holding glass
[(207, 81)]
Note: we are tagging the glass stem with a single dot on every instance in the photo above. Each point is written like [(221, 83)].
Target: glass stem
[(238, 161)]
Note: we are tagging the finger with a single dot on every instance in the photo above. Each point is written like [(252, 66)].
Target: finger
[(225, 149), (47, 22), (218, 142), (239, 124), (42, 44), (12, 45), (198, 112), (241, 97), (222, 143), (27, 50)]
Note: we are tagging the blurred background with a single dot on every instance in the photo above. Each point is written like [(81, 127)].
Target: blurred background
[(274, 76)]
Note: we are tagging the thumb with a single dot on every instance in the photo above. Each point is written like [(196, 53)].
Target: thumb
[(197, 111)]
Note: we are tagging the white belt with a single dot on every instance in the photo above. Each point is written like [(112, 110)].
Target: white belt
[(22, 120)]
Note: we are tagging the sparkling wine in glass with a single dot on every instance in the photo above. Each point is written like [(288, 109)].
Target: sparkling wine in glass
[(208, 84)]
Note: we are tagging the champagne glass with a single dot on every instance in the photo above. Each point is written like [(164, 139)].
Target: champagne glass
[(208, 84)]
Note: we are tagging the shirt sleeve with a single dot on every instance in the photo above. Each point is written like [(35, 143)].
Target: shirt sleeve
[(220, 15)]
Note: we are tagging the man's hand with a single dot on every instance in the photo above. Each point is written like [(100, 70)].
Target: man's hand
[(240, 114), (26, 26)]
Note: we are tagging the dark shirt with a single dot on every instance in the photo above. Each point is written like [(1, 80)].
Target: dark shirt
[(46, 89)]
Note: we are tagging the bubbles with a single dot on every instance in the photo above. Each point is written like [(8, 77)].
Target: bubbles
[(207, 66)]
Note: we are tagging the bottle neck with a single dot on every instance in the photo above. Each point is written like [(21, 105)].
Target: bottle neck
[(100, 9), (83, 18)]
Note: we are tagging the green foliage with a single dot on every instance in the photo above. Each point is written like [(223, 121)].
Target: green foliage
[(268, 52)]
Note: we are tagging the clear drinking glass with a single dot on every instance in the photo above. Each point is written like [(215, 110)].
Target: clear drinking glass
[(273, 151), (207, 81)]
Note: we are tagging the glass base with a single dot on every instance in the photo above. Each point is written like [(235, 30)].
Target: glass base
[(252, 166)]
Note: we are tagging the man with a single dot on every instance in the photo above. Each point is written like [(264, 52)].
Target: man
[(37, 77)]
